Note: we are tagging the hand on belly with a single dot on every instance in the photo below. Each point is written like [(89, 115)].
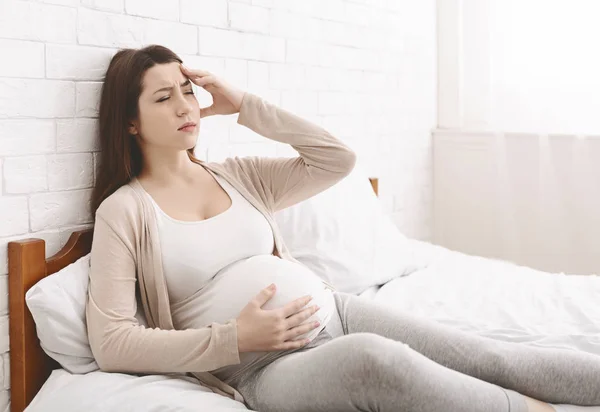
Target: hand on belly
[(237, 284)]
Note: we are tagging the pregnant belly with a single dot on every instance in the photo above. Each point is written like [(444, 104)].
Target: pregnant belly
[(237, 284)]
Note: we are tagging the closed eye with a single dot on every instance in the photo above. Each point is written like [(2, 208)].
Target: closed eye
[(167, 97)]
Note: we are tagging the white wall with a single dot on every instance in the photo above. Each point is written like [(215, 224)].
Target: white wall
[(515, 153), (364, 69)]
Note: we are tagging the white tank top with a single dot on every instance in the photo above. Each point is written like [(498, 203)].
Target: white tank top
[(194, 252), (214, 267)]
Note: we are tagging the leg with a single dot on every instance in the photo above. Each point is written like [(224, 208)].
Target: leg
[(365, 372), (551, 375)]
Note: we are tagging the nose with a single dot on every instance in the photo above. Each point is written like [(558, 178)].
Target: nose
[(183, 106)]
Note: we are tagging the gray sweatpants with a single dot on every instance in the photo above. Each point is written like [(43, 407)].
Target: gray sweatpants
[(374, 358)]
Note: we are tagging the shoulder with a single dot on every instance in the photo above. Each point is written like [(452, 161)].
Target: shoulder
[(242, 169), (122, 205), (244, 174)]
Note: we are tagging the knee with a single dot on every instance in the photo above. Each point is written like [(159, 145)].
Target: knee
[(360, 348), (498, 365)]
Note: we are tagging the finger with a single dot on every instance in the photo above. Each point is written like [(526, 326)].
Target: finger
[(194, 72), (293, 344), (264, 295), (204, 81), (200, 78), (295, 305), (300, 330), (301, 316)]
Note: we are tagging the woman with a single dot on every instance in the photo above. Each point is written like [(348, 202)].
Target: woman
[(201, 240)]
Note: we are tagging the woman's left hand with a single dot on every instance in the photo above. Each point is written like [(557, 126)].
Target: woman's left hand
[(226, 98)]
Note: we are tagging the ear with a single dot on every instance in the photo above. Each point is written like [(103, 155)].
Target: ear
[(132, 128)]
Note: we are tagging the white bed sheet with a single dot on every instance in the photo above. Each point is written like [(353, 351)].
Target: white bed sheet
[(483, 296), (108, 392)]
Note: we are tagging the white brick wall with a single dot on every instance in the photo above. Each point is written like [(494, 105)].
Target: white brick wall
[(248, 18), (158, 9), (364, 70), (4, 344), (76, 62), (107, 5), (36, 98), (26, 174), (31, 136), (30, 56), (204, 12), (38, 22), (3, 295)]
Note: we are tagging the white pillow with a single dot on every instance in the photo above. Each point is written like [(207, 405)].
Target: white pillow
[(343, 235), (57, 304)]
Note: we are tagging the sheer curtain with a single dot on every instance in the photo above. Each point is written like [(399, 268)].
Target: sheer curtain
[(519, 65), (517, 148), (545, 65)]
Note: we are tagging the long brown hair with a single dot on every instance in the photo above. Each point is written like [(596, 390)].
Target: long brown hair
[(121, 158)]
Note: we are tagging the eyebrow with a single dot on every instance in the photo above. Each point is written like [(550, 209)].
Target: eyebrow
[(185, 83)]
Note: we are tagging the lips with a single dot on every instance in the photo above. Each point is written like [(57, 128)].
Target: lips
[(187, 126)]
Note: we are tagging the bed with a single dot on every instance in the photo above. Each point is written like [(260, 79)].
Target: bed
[(479, 295)]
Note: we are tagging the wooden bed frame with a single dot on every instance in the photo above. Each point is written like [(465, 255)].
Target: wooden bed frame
[(27, 264)]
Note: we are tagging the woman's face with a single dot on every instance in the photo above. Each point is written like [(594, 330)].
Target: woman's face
[(167, 102)]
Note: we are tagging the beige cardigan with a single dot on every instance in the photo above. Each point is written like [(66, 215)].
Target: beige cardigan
[(126, 249)]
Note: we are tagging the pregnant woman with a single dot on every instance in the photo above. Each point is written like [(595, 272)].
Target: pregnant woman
[(195, 244)]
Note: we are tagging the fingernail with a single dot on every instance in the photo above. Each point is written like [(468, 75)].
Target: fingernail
[(317, 324)]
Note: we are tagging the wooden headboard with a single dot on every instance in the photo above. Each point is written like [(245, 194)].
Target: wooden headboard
[(375, 184), (27, 264)]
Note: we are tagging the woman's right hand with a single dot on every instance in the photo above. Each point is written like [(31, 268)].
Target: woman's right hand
[(262, 330)]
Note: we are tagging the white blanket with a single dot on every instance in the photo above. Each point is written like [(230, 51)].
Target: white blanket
[(501, 300)]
